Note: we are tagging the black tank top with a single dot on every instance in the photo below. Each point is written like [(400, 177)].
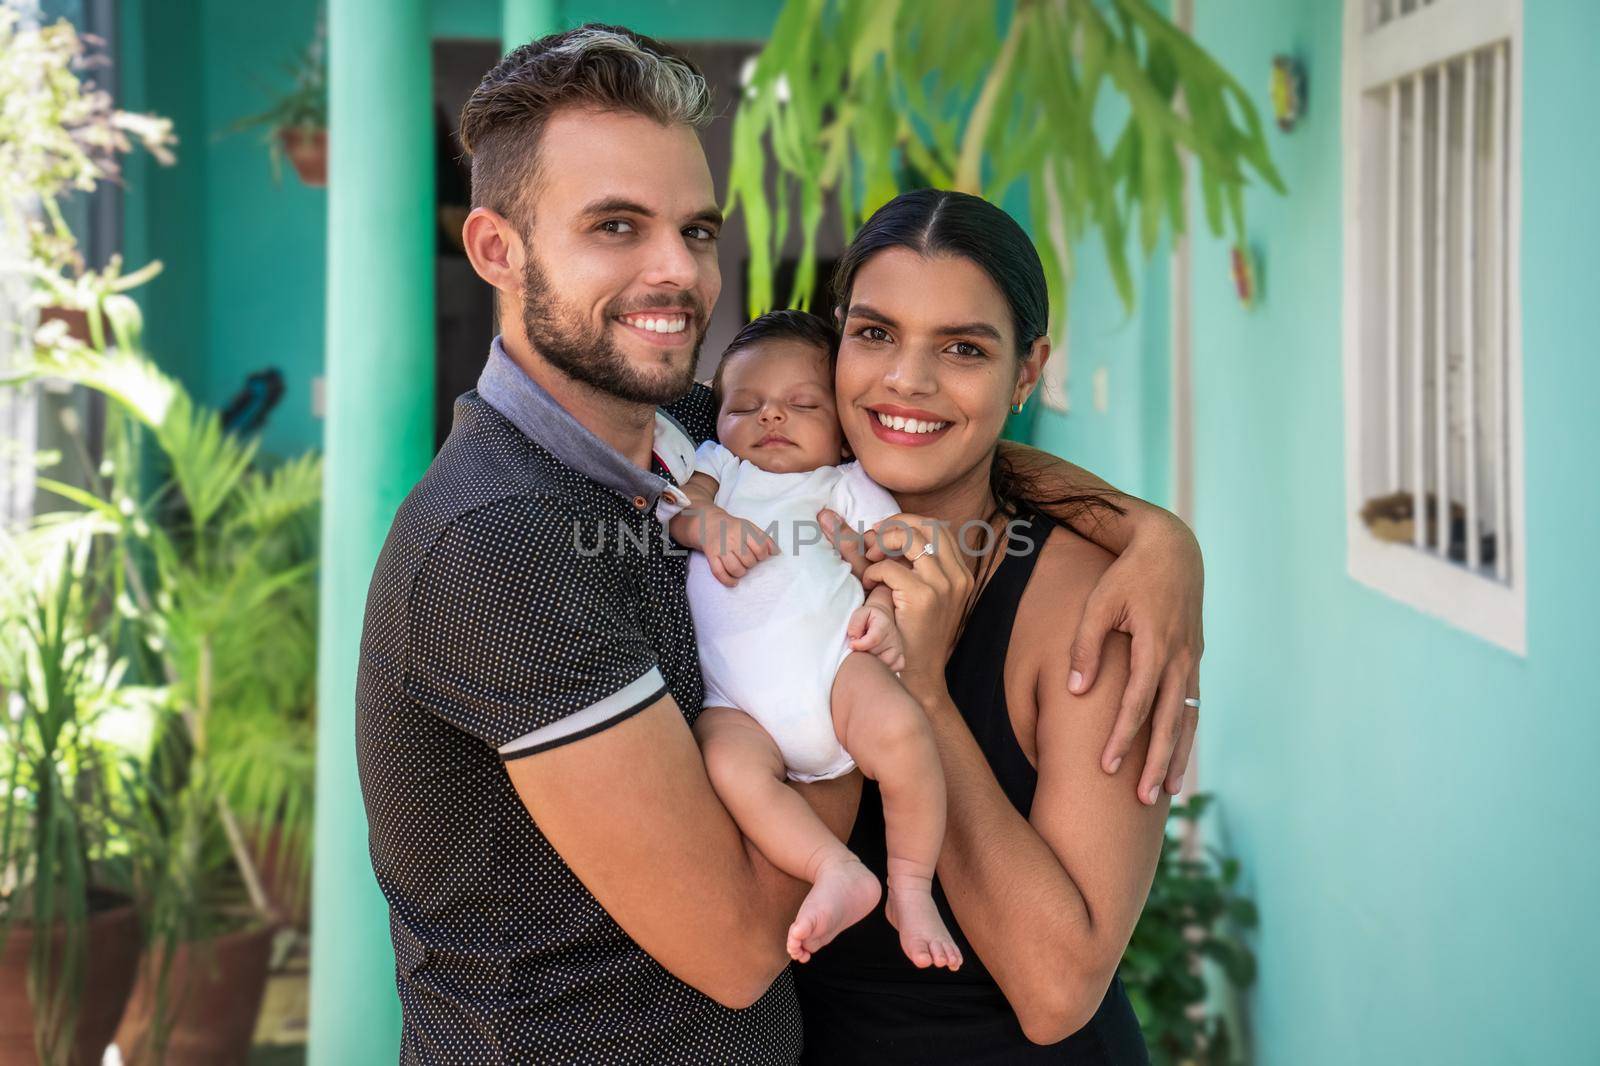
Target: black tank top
[(862, 1000)]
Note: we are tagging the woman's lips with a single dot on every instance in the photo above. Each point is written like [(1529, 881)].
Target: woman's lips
[(905, 437)]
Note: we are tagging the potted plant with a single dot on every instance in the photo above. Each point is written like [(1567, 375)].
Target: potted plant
[(61, 135), (220, 577), (62, 667), (1192, 918), (59, 904), (297, 122)]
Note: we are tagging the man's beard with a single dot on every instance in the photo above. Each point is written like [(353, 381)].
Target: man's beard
[(586, 353)]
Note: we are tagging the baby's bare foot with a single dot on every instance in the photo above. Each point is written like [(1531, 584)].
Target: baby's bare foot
[(923, 936), (843, 893)]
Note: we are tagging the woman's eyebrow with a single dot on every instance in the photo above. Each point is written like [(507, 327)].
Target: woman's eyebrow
[(963, 329), (866, 311), (971, 329)]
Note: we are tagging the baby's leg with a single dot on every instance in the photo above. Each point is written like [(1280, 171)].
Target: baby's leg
[(747, 771), (884, 729)]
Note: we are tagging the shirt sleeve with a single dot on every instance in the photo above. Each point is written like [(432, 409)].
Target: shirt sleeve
[(523, 632), (713, 460), (859, 500), (695, 412)]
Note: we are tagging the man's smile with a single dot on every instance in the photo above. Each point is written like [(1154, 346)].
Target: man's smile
[(666, 328)]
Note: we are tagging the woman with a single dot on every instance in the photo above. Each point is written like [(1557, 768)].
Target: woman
[(1047, 860)]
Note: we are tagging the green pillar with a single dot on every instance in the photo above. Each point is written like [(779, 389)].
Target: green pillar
[(379, 440), (523, 20)]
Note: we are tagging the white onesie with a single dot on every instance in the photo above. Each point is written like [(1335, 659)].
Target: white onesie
[(770, 646)]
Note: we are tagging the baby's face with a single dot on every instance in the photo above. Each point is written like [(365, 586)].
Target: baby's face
[(777, 407)]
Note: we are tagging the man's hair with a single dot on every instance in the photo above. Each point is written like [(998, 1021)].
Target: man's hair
[(607, 68), (802, 326)]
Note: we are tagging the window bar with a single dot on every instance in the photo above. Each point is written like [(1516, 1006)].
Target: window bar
[(1441, 327), (1469, 303), (1418, 429), (1393, 300), (1497, 307)]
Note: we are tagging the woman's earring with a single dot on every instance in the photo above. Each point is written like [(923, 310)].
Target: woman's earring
[(1016, 408)]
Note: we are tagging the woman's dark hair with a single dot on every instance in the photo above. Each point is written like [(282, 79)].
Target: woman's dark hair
[(802, 326), (937, 222)]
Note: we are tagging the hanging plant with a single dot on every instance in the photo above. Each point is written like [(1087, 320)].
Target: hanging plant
[(855, 101), (296, 125)]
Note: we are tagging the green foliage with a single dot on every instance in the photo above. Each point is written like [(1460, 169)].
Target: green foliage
[(1192, 917), (61, 677), (208, 580), (220, 566), (858, 100), (59, 134)]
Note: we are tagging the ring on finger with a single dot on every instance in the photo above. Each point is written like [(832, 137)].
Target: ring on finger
[(927, 550), (1192, 701)]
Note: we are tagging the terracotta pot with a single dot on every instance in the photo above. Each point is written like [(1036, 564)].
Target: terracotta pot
[(214, 991), (113, 958), (77, 322), (307, 149)]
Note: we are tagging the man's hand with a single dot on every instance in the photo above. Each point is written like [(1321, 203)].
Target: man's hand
[(1153, 593), (873, 631)]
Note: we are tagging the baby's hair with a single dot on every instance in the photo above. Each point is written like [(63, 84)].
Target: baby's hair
[(802, 326)]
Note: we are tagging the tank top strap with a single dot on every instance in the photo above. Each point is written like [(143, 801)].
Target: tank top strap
[(975, 673)]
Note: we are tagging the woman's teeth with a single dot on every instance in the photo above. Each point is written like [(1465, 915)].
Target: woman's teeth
[(663, 324), (909, 425)]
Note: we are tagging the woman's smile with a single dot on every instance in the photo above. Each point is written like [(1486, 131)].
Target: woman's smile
[(906, 425)]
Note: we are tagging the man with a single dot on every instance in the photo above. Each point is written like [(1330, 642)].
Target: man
[(563, 884)]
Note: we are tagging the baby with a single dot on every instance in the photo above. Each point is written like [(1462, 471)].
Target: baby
[(799, 662)]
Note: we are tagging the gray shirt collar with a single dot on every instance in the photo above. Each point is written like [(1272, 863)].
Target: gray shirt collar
[(509, 390)]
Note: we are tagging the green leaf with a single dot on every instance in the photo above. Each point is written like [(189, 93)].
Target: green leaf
[(1243, 913)]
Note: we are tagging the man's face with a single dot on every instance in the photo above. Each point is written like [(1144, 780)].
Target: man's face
[(621, 271)]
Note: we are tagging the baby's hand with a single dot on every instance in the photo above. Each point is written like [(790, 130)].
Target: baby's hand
[(732, 545), (872, 630)]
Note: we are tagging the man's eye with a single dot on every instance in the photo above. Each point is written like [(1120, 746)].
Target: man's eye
[(700, 233), (873, 333), (617, 225)]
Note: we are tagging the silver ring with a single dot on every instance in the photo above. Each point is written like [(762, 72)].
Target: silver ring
[(928, 550), (1192, 701)]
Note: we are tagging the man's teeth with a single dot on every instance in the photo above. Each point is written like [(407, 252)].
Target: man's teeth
[(909, 425), (667, 324)]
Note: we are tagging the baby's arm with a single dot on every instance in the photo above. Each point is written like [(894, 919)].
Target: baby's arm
[(731, 545), (873, 630)]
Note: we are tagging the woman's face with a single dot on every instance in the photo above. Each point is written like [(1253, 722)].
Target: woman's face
[(928, 367)]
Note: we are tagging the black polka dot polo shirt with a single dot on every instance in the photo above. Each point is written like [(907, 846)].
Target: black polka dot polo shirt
[(491, 633)]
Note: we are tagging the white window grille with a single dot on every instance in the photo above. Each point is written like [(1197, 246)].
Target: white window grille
[(1432, 354)]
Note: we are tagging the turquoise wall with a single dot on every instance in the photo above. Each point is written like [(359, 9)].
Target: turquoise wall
[(265, 243), (243, 254), (163, 216), (1408, 801), (1129, 443)]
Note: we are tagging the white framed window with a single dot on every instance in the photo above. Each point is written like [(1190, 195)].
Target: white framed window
[(1432, 323)]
